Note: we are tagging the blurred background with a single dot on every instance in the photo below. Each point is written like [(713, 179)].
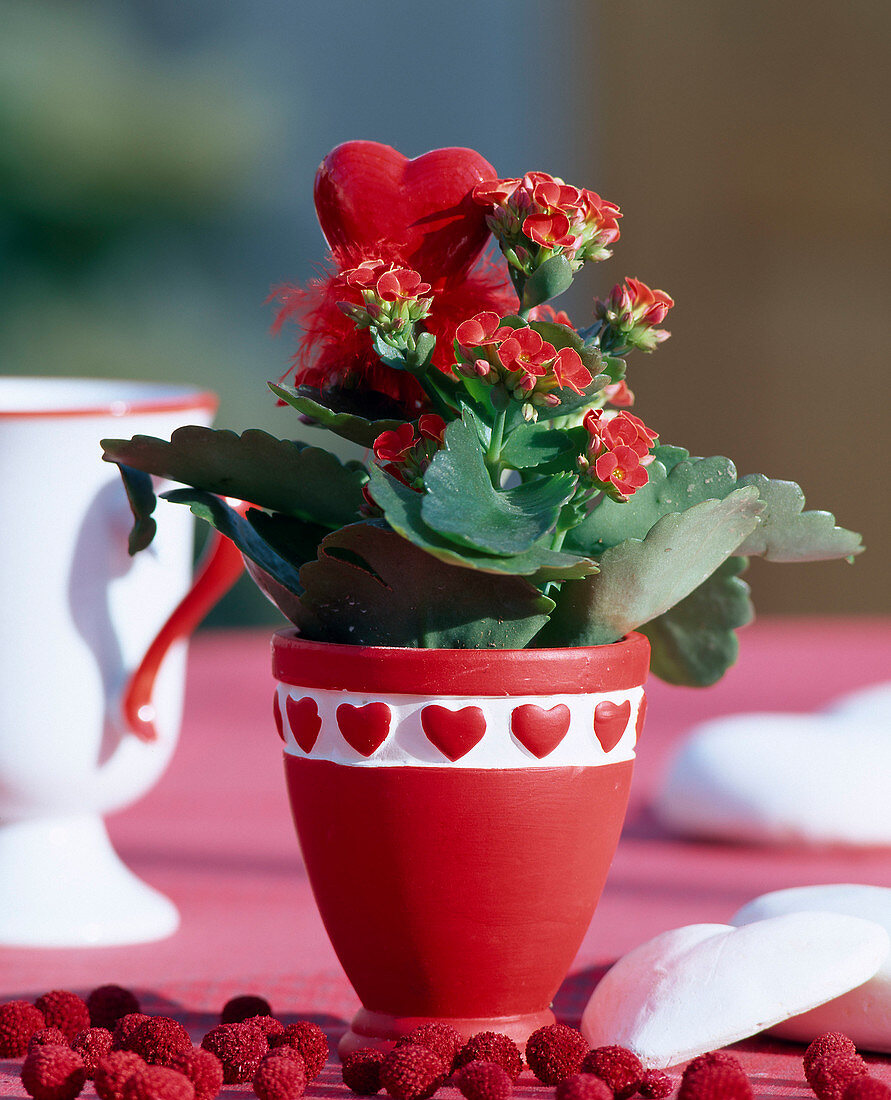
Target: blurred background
[(156, 168)]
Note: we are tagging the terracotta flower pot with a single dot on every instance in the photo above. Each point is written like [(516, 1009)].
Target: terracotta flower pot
[(458, 811)]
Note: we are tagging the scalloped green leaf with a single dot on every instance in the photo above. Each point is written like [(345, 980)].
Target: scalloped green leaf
[(547, 281), (402, 508), (462, 505), (641, 579), (277, 474), (788, 533), (371, 586), (531, 445), (694, 642), (345, 424), (141, 498)]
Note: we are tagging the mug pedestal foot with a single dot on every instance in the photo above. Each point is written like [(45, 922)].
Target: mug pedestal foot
[(65, 886), (380, 1030)]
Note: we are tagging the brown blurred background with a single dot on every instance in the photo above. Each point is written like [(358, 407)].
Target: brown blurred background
[(748, 146)]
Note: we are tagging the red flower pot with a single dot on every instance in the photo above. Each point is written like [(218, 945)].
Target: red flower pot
[(457, 811)]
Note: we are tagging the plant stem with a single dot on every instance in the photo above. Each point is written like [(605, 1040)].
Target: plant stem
[(493, 454)]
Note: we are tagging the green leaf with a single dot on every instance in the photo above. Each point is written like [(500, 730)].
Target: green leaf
[(548, 281), (241, 531), (345, 424), (640, 580), (691, 481), (531, 445), (370, 586), (693, 643), (461, 503), (402, 508), (141, 496), (277, 474), (787, 533)]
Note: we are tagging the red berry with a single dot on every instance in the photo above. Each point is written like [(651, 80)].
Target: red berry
[(202, 1068), (47, 1037), (492, 1046), (158, 1038), (866, 1088), (239, 1047), (484, 1081), (108, 1003), (158, 1083), (554, 1052), (310, 1042), (620, 1068), (583, 1086), (267, 1024), (715, 1081), (715, 1058), (830, 1073), (439, 1037), (19, 1020), (64, 1010), (238, 1009), (125, 1028), (53, 1073), (833, 1042), (279, 1077), (92, 1045), (362, 1071), (113, 1071), (411, 1072), (654, 1085)]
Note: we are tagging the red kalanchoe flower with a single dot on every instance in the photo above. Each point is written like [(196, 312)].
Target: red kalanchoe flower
[(125, 1028), (655, 1085), (555, 1052), (544, 312), (108, 1003), (19, 1020), (239, 1047), (866, 1088), (64, 1010), (388, 296), (393, 446), (441, 1038), (279, 1077), (53, 1073), (618, 394), (630, 317), (310, 1042), (617, 452), (158, 1039), (583, 1086), (92, 1045), (492, 1046), (362, 1071), (619, 1067), (238, 1009), (202, 1068), (833, 1042), (157, 1083), (113, 1071), (406, 456), (830, 1073), (411, 1072), (484, 1081), (47, 1037)]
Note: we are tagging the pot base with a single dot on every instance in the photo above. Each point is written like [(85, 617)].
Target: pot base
[(380, 1030)]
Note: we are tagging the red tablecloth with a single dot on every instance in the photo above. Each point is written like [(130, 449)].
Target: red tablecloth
[(215, 835)]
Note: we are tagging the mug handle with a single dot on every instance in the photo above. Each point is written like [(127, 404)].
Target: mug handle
[(220, 567)]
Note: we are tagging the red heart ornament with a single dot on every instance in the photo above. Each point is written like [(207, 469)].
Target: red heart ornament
[(372, 201), (453, 732), (610, 720), (539, 730), (364, 728), (304, 720)]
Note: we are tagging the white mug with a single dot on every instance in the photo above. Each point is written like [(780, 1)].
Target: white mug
[(92, 657)]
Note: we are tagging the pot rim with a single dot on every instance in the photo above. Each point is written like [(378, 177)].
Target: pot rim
[(574, 670)]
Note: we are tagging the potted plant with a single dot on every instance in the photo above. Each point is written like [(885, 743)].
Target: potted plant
[(473, 599)]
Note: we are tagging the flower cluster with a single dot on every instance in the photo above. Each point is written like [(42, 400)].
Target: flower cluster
[(617, 453), (520, 359), (392, 297), (405, 455), (538, 216), (630, 315)]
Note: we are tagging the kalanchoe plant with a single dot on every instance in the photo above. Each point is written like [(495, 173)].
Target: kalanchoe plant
[(507, 497)]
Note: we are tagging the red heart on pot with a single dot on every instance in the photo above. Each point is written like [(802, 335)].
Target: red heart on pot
[(364, 728), (372, 201), (641, 714), (304, 720), (610, 720), (539, 730), (277, 715), (453, 732)]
